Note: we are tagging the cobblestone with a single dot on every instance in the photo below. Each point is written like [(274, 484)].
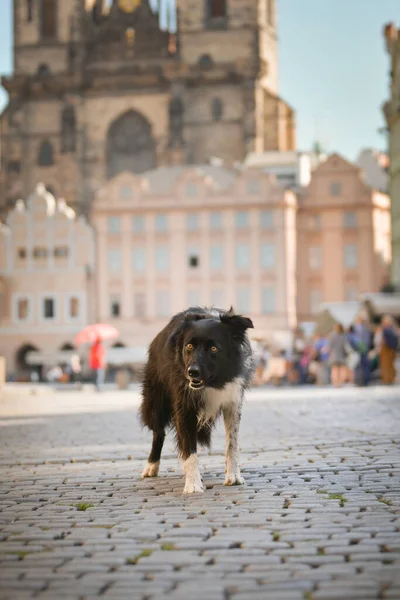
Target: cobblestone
[(318, 518)]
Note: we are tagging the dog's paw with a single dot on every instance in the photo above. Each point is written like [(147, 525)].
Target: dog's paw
[(193, 487), (151, 469), (233, 479)]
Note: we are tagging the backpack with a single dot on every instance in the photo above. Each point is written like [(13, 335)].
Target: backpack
[(390, 338)]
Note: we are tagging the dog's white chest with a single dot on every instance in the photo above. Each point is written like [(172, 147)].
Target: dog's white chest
[(216, 400)]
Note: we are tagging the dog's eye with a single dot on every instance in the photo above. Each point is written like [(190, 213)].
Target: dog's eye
[(189, 346), (214, 349)]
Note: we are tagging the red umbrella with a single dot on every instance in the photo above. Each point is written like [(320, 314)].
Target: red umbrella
[(93, 332)]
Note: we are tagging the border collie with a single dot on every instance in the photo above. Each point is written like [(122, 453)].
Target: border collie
[(198, 367)]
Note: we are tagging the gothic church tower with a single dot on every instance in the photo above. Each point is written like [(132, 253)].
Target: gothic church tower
[(103, 86)]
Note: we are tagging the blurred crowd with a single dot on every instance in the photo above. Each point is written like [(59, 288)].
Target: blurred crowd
[(359, 355)]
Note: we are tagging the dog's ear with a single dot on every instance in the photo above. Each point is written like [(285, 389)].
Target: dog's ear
[(237, 323)]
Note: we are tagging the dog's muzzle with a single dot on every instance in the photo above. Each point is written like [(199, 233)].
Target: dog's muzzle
[(196, 384)]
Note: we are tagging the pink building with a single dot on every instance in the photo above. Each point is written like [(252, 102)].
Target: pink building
[(46, 262), (181, 236), (343, 234)]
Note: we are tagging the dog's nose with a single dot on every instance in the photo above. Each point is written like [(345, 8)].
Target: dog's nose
[(194, 372)]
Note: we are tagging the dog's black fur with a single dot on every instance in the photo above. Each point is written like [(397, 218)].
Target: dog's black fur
[(200, 350)]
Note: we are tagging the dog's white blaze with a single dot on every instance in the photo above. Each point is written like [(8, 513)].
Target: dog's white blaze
[(215, 400)]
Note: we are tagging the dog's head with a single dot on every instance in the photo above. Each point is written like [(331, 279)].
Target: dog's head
[(209, 348)]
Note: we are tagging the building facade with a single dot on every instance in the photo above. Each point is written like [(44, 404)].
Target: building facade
[(181, 236), (391, 111), (46, 277), (99, 88), (343, 233)]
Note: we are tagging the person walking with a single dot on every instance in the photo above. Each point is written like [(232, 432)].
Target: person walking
[(389, 343), (363, 340), (97, 362), (338, 349)]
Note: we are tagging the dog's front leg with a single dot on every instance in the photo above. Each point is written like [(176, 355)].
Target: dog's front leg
[(187, 446), (232, 415)]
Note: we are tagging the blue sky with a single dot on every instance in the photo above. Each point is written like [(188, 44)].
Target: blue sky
[(333, 68)]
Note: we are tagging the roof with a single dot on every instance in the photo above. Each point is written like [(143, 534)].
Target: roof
[(163, 178)]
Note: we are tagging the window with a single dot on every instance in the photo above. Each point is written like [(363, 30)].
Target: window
[(242, 219), (113, 225), (114, 260), (115, 306), (242, 256), (125, 192), (315, 257), (48, 18), (45, 157), (268, 300), (29, 10), (162, 258), (191, 190), (217, 109), (350, 220), (139, 259), (194, 298), (193, 221), (218, 297), (253, 186), (22, 309), (73, 307), (336, 188), (266, 219), (48, 308), (315, 222), (315, 299), (268, 256), (68, 129), (350, 256), (162, 303), (21, 253), (61, 251), (216, 12), (138, 224), (216, 220), (40, 252), (351, 293), (243, 300), (139, 305), (216, 258), (14, 166), (161, 223), (193, 258)]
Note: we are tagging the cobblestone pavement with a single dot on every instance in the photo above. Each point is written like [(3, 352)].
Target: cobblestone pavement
[(318, 518)]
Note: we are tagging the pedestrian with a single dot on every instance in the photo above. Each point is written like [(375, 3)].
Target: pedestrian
[(75, 369), (363, 342), (321, 358), (338, 350), (388, 345), (97, 362)]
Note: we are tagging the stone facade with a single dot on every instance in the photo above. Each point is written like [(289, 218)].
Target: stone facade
[(98, 91), (181, 236), (343, 233), (391, 111), (46, 284)]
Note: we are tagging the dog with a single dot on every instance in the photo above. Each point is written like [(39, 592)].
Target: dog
[(198, 366)]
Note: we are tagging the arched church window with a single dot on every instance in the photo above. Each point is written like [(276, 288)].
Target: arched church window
[(216, 13), (44, 70), (176, 114), (48, 19), (45, 157), (217, 109), (130, 145), (29, 10), (205, 61), (68, 129)]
